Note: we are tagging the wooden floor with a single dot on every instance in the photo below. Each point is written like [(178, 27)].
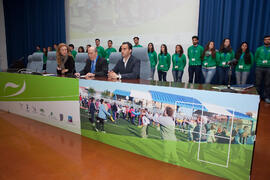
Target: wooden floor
[(33, 150)]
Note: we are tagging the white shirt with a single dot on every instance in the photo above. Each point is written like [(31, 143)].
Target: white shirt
[(125, 61)]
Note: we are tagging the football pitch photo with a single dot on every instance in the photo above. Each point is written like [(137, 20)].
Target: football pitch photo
[(225, 160)]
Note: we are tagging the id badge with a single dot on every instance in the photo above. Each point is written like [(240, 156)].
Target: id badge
[(175, 67), (206, 64), (265, 61), (241, 66), (161, 65), (223, 63), (193, 59)]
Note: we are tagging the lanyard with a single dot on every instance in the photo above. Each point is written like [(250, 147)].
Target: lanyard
[(194, 50)]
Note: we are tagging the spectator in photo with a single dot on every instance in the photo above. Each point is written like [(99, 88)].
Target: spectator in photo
[(73, 52), (136, 42), (102, 116), (65, 61), (49, 48), (80, 49), (245, 60), (92, 110)]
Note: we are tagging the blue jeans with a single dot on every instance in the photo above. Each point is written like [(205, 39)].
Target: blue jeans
[(153, 72), (241, 77), (223, 75), (177, 75), (194, 70), (208, 75), (162, 76)]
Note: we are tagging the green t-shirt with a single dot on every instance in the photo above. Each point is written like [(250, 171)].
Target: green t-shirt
[(74, 53), (262, 56), (194, 55), (153, 58), (242, 66), (108, 52), (137, 46), (101, 52), (44, 59), (164, 62), (224, 58), (209, 61), (179, 63)]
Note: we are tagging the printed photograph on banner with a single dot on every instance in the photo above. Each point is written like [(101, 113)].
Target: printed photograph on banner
[(208, 131)]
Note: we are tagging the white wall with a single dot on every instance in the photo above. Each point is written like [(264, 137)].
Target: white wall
[(3, 49), (171, 22)]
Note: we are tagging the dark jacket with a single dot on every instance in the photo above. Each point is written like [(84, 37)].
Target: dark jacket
[(101, 67), (70, 65), (132, 70)]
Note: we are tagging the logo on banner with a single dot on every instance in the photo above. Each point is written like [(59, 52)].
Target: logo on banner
[(13, 85)]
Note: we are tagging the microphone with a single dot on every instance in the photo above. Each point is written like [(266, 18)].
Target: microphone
[(232, 62)]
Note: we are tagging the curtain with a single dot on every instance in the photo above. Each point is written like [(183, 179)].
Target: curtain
[(3, 51), (239, 20), (30, 23)]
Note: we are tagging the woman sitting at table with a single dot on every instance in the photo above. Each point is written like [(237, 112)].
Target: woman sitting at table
[(65, 61)]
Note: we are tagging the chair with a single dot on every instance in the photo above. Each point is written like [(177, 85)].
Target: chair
[(80, 61), (35, 62), (51, 63), (113, 59), (145, 68)]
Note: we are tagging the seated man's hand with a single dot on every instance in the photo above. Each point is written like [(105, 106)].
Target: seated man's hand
[(90, 75), (112, 75), (64, 71), (77, 74)]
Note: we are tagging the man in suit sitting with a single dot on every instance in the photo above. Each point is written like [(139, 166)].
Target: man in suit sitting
[(95, 65), (128, 67)]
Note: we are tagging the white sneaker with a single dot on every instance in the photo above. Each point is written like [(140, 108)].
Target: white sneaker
[(96, 129), (267, 100)]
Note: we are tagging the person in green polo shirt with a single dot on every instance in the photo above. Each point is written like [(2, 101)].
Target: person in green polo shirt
[(153, 59), (179, 63), (100, 49), (73, 52), (164, 63), (245, 61), (136, 42), (226, 55), (210, 57), (109, 50), (45, 53), (38, 49), (262, 59), (195, 64)]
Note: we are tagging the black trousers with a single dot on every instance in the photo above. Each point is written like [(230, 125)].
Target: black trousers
[(100, 124), (197, 71), (262, 81)]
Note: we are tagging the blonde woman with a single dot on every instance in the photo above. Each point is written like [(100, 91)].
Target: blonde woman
[(65, 61)]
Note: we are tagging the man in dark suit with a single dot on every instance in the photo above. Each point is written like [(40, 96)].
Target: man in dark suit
[(128, 67), (95, 65)]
